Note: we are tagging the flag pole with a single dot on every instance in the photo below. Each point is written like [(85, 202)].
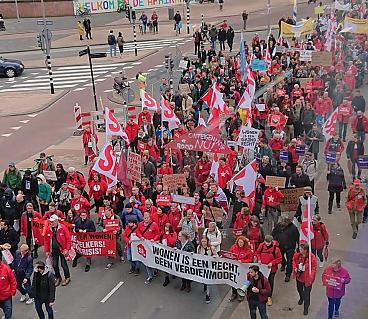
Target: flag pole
[(309, 236), (103, 110)]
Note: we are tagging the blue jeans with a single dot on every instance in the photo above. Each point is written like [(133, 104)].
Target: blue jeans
[(253, 305), (24, 289), (136, 265), (112, 47), (56, 255), (361, 135), (213, 44), (333, 306), (6, 305), (41, 314), (150, 272), (343, 127)]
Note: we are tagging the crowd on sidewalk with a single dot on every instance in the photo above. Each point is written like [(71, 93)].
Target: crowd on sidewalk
[(295, 119)]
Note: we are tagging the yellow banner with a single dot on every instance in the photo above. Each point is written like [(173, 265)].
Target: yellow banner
[(300, 29), (319, 10), (356, 25)]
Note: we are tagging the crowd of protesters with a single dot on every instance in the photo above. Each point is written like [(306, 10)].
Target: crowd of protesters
[(260, 232)]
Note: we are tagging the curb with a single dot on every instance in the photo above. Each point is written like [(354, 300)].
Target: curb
[(40, 109)]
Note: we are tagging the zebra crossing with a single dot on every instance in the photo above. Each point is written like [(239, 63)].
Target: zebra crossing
[(67, 77)]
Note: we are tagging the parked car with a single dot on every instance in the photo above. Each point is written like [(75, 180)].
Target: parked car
[(11, 68)]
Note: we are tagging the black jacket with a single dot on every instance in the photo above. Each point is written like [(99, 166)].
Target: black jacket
[(7, 206), (286, 235), (222, 35), (189, 247), (86, 224), (336, 180), (299, 181), (43, 286), (350, 149), (29, 186), (11, 237), (358, 103)]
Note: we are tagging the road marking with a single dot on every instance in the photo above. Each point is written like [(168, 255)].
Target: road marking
[(96, 66), (150, 70), (159, 65), (82, 79), (172, 46), (88, 84), (113, 290), (34, 73), (77, 75), (100, 80), (24, 121), (107, 91), (32, 115), (78, 89), (15, 128), (6, 135), (108, 75), (136, 63)]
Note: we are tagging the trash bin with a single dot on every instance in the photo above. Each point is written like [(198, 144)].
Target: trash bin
[(171, 13)]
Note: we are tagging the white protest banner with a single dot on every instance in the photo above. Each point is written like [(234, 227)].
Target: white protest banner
[(182, 199), (50, 175), (305, 55), (261, 107), (203, 269), (248, 137)]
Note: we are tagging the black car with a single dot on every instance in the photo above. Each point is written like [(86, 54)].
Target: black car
[(10, 68)]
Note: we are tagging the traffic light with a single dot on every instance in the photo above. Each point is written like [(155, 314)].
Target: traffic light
[(127, 14), (133, 15), (40, 41), (171, 64)]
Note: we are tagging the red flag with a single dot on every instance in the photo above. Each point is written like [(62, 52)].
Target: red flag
[(122, 176)]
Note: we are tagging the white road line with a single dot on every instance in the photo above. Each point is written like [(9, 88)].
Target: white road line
[(32, 115), (113, 290), (78, 89), (15, 128), (159, 65), (76, 75), (100, 80), (24, 121), (107, 91), (56, 82), (6, 135), (109, 75), (172, 46), (128, 67), (86, 67), (150, 70), (86, 71), (34, 73), (88, 84), (136, 63)]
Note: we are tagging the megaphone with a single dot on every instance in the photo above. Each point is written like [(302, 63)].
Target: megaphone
[(242, 291)]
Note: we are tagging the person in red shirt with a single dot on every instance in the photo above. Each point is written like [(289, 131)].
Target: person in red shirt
[(349, 80), (168, 238), (57, 243), (180, 131), (160, 218), (202, 169), (305, 277), (75, 180), (320, 239), (79, 203), (276, 119), (344, 113), (224, 173), (131, 130), (174, 216), (145, 113), (254, 232), (243, 253), (129, 233), (271, 208), (8, 289), (359, 125), (268, 253), (276, 144), (87, 143), (97, 190), (355, 205), (327, 104), (242, 219), (153, 149), (164, 170), (148, 229)]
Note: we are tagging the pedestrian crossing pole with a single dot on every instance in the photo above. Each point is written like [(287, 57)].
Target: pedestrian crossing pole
[(48, 60), (202, 19), (188, 18), (135, 38)]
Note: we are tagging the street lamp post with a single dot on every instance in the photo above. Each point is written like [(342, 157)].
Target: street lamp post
[(188, 18), (17, 9), (269, 15), (47, 36), (92, 77)]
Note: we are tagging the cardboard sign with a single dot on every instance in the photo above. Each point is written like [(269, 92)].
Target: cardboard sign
[(183, 64), (111, 224), (261, 107), (276, 181), (163, 200), (174, 181), (134, 167), (259, 65), (217, 213), (320, 58), (331, 158), (248, 137), (50, 175), (284, 156), (319, 10), (184, 88), (332, 281), (363, 162), (300, 149), (304, 81), (141, 146), (305, 55), (291, 200), (183, 199), (227, 254)]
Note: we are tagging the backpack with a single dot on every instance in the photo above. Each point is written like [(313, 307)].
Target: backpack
[(273, 252)]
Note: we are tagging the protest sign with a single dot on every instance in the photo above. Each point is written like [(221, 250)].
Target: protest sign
[(332, 281), (50, 175), (356, 25), (8, 257), (37, 230), (304, 81), (305, 55), (321, 58), (275, 181), (227, 254), (248, 137), (183, 64), (300, 149), (259, 65), (184, 88), (261, 107), (199, 268), (163, 200), (284, 156), (363, 162), (94, 244), (134, 167), (213, 213), (96, 6), (141, 145), (152, 4), (174, 181), (291, 199), (111, 224), (183, 199), (300, 29), (331, 158)]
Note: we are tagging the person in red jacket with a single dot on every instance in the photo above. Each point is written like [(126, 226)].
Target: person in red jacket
[(79, 203), (144, 114), (305, 277), (320, 240), (8, 289), (174, 216), (164, 170), (153, 149), (26, 227), (327, 105), (75, 180), (53, 211), (97, 190), (131, 130), (276, 144), (293, 156), (243, 253), (242, 219), (160, 218), (271, 208), (57, 244), (129, 234), (202, 169), (87, 143), (359, 125), (224, 173), (344, 113), (268, 253), (254, 232), (168, 238), (148, 229), (355, 205)]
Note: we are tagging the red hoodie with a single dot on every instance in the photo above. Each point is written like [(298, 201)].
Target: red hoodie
[(132, 131), (320, 236), (271, 254), (63, 237), (272, 198), (241, 221), (152, 232), (243, 254), (80, 204), (23, 222), (174, 219), (8, 283), (305, 277), (224, 175), (97, 189), (170, 239)]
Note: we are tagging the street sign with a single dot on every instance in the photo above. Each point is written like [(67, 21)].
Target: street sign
[(47, 22), (98, 55), (83, 52)]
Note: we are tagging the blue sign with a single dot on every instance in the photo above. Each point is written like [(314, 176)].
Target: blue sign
[(258, 158), (259, 65), (363, 162), (331, 158), (300, 149), (284, 156)]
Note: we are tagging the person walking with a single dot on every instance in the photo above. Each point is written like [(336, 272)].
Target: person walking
[(335, 278), (354, 149), (359, 125), (197, 41), (313, 138), (185, 244), (26, 227), (120, 41), (154, 19), (57, 244), (213, 37), (178, 23), (336, 184), (144, 19), (87, 28), (111, 41), (221, 4), (230, 34), (8, 289), (320, 239), (271, 210), (23, 269), (257, 292), (222, 38), (310, 167), (245, 18), (305, 277), (80, 30), (44, 288), (355, 205)]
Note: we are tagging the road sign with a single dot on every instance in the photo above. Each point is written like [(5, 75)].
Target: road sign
[(98, 55), (47, 22)]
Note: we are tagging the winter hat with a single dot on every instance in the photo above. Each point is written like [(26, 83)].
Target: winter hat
[(128, 205)]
